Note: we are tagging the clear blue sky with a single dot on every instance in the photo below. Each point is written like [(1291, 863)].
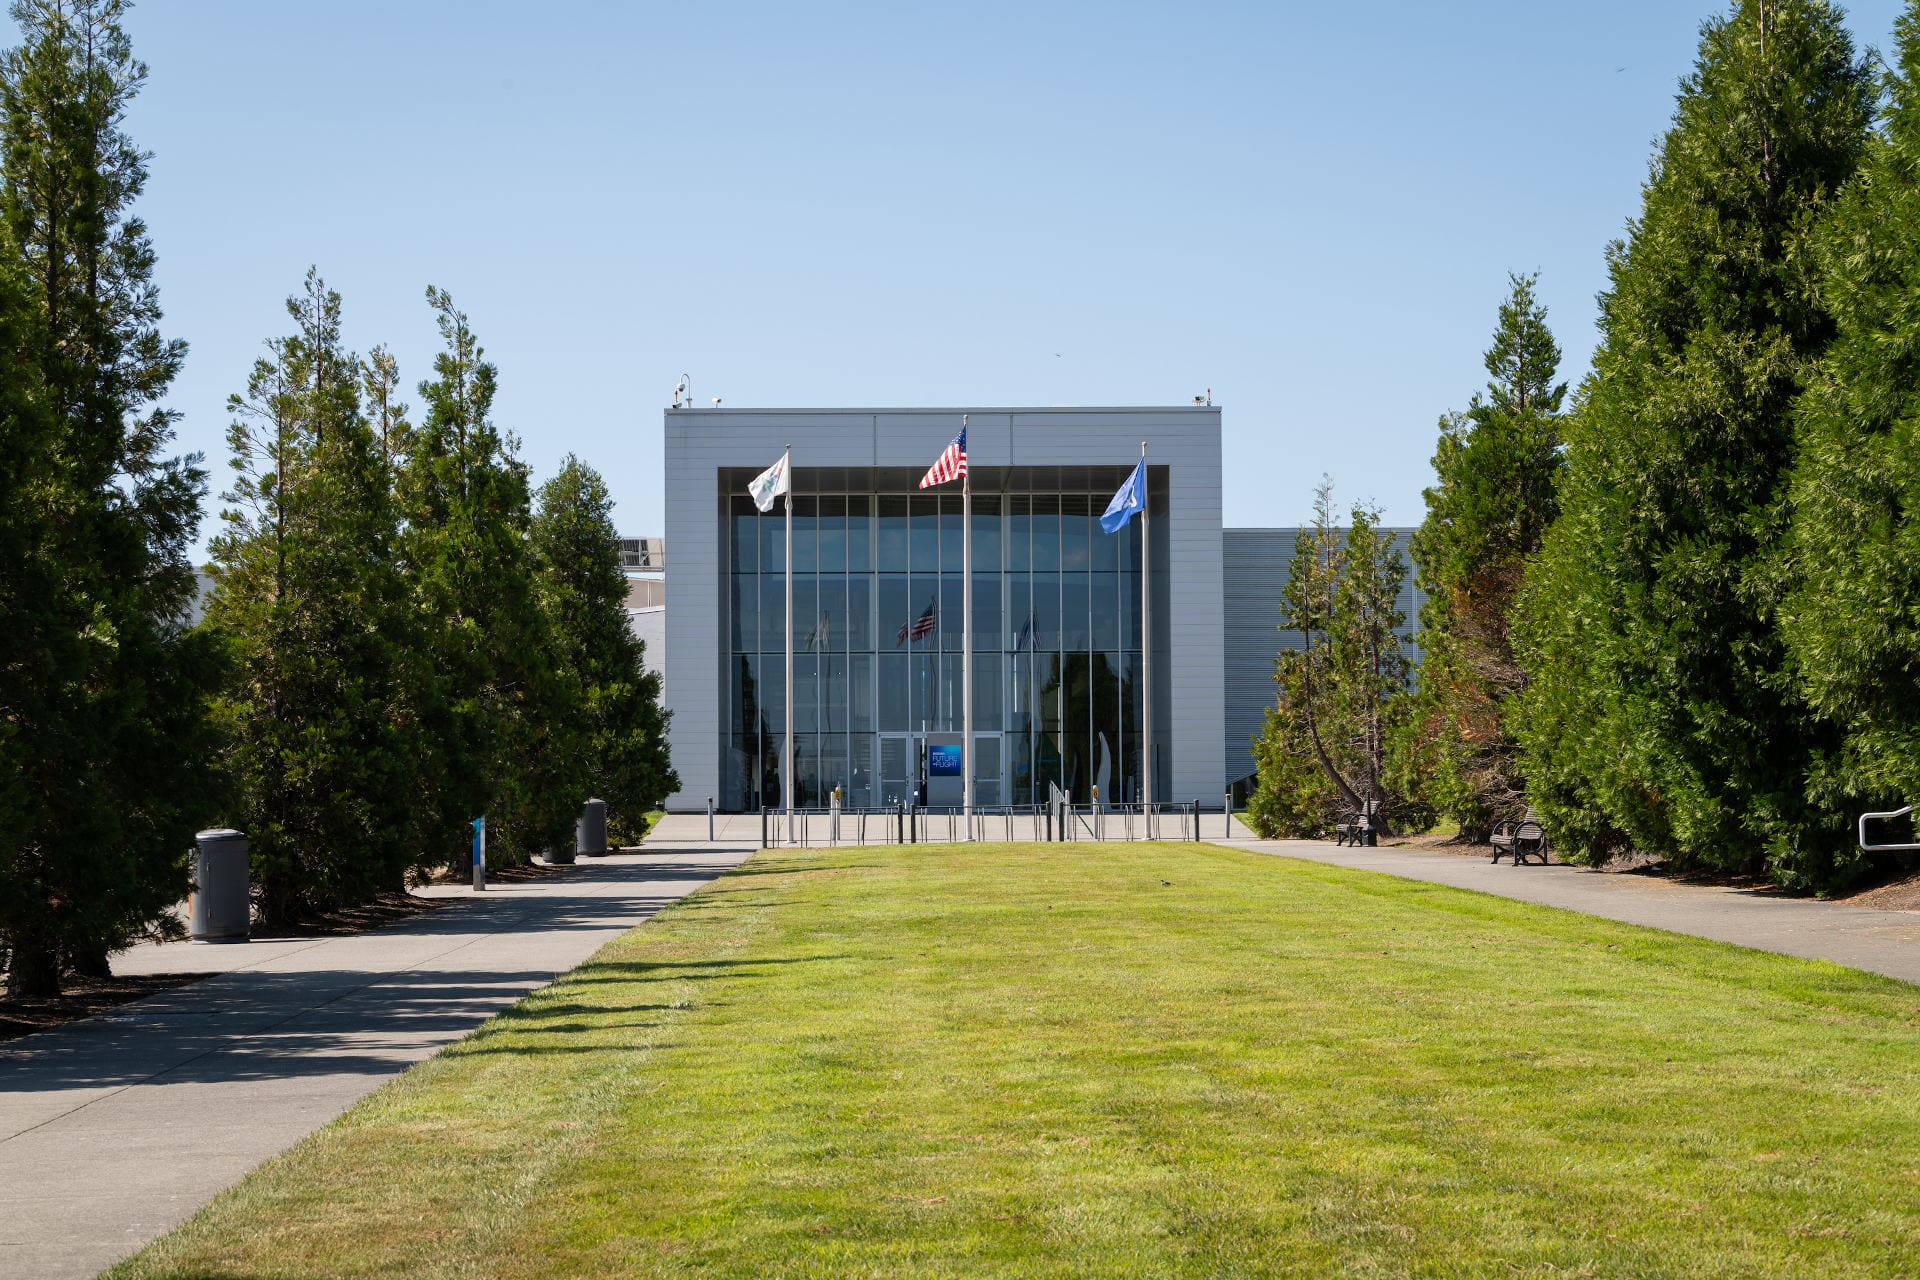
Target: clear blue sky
[(1310, 208)]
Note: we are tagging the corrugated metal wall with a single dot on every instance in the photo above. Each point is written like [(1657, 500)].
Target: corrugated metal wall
[(1255, 564)]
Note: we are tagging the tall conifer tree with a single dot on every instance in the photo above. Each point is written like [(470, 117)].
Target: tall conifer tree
[(1660, 712), (310, 605), (495, 717), (116, 742), (1498, 466), (1851, 620), (583, 590), (1323, 749)]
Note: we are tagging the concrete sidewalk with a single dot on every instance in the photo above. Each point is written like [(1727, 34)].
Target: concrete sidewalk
[(117, 1128), (1885, 942)]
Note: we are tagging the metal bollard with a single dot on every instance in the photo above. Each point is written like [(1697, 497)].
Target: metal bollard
[(709, 819), (763, 825), (1227, 812)]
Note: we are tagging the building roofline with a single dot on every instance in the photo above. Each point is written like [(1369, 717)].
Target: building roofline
[(939, 411)]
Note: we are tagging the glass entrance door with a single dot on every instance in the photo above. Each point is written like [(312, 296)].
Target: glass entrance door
[(901, 768)]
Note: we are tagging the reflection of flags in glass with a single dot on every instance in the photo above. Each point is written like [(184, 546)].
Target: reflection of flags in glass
[(817, 638), (919, 629), (1029, 636)]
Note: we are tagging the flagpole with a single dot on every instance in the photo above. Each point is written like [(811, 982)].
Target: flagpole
[(966, 640), (1146, 642), (786, 770)]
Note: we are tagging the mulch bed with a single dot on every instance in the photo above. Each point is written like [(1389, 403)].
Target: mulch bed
[(83, 998), (1901, 895)]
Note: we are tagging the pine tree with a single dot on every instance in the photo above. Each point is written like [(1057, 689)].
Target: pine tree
[(1323, 747), (1498, 466), (1849, 620), (380, 385), (583, 590), (493, 716), (310, 607), (113, 748), (1660, 711)]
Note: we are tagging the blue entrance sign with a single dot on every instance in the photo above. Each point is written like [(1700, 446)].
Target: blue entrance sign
[(944, 762)]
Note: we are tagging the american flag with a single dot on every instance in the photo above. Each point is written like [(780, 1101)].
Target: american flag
[(920, 628), (951, 464)]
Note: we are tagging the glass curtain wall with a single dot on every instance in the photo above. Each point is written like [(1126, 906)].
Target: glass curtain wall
[(877, 604)]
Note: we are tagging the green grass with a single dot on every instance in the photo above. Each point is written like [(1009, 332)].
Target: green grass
[(1041, 1060)]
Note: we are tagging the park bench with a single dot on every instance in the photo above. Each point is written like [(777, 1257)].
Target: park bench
[(1520, 840), (1356, 826)]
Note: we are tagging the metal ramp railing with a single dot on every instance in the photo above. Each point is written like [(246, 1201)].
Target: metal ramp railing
[(1888, 816)]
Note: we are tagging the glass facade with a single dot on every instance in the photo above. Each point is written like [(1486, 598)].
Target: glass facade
[(877, 636)]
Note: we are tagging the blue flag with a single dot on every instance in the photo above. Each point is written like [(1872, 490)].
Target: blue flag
[(1129, 502)]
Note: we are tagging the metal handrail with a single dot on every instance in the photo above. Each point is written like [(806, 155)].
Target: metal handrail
[(1884, 817)]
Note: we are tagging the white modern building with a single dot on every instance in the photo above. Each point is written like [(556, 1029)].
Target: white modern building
[(1060, 660)]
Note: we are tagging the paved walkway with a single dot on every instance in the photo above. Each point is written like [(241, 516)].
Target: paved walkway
[(1878, 941), (117, 1128)]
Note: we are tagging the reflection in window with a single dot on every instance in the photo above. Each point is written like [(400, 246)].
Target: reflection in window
[(1056, 615)]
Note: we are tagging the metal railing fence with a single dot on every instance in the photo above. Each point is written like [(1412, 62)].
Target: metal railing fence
[(1057, 820)]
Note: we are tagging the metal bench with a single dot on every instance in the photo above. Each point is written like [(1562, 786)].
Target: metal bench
[(1521, 840), (1356, 826)]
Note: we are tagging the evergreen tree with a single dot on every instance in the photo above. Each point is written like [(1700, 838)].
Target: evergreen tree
[(380, 384), (30, 613), (1323, 748), (1660, 711), (1849, 620), (583, 591), (494, 715), (1498, 466), (112, 745), (310, 606)]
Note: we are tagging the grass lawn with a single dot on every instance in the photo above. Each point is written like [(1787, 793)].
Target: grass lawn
[(1045, 1060)]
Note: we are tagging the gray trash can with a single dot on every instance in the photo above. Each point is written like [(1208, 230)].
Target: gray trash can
[(221, 908), (590, 830)]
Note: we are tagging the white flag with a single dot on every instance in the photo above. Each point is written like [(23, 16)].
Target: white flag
[(771, 483)]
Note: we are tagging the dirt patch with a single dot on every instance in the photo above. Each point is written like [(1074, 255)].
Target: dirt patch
[(83, 998), (1439, 843)]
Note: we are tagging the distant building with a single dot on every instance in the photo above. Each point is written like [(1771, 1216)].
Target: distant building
[(1257, 562), (647, 609)]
